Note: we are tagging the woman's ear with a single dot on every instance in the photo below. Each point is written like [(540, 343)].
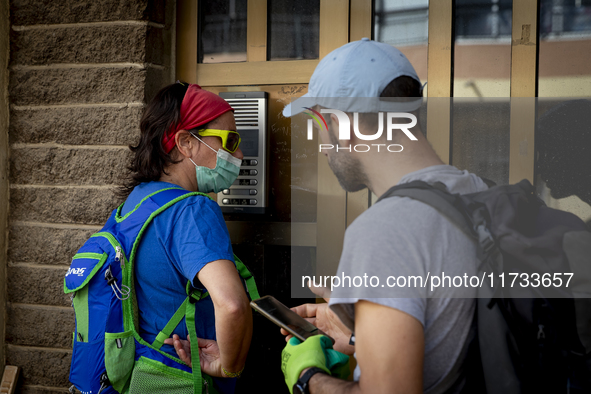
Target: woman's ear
[(185, 143)]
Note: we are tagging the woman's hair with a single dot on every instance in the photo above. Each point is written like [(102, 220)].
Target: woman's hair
[(150, 160)]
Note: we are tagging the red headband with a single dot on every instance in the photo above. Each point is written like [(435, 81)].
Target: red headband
[(198, 108)]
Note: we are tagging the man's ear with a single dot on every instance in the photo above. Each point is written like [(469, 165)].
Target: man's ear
[(335, 127), (185, 143), (354, 139), (334, 120)]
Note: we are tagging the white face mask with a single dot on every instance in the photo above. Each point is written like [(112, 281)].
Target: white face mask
[(227, 168)]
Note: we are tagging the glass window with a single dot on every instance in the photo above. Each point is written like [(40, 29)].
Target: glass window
[(404, 24), (563, 155), (559, 17), (482, 73), (293, 28), (563, 139), (222, 31), (480, 137), (483, 18), (564, 48), (482, 51)]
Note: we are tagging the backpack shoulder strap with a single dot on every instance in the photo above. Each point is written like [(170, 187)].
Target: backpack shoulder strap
[(248, 278), (135, 222), (143, 214), (172, 195), (162, 198), (437, 197), (195, 362), (467, 214)]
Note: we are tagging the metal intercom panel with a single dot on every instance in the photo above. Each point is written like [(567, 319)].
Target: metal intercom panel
[(248, 194)]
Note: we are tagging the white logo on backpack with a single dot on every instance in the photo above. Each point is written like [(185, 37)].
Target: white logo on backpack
[(76, 271)]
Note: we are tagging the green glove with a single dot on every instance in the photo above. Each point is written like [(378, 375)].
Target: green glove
[(338, 363), (316, 351), (297, 356)]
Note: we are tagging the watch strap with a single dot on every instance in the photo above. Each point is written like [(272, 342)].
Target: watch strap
[(303, 381), (352, 340)]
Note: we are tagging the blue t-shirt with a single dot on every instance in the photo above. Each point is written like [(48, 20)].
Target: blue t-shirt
[(175, 246)]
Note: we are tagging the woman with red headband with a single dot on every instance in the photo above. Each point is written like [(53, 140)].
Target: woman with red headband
[(189, 139)]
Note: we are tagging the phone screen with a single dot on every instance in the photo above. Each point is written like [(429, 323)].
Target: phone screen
[(284, 317)]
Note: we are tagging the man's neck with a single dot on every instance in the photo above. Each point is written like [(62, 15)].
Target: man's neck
[(387, 170)]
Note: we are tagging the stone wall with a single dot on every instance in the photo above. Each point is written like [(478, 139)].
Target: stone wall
[(4, 54), (80, 73)]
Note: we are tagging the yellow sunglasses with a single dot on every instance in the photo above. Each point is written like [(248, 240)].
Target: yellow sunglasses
[(230, 139)]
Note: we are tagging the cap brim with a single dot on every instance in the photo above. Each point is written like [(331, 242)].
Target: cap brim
[(298, 105), (354, 104)]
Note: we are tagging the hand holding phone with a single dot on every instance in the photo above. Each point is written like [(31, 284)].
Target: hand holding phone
[(326, 320), (285, 318)]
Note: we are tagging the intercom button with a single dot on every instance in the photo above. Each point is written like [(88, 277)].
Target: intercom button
[(254, 162), (226, 191), (225, 201), (253, 202), (253, 172), (253, 192), (254, 182)]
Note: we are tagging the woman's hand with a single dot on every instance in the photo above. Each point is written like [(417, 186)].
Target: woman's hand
[(209, 354)]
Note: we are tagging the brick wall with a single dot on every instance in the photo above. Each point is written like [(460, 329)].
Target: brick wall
[(80, 73)]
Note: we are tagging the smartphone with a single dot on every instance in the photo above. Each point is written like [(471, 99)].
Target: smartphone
[(285, 318)]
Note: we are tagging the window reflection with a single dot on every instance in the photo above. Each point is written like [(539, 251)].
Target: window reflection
[(563, 16), (563, 156), (293, 29), (480, 137), (482, 64), (404, 24), (222, 31), (565, 48), (483, 18), (482, 72)]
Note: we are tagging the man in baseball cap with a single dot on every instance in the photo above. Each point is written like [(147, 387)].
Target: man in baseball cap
[(360, 69), (406, 339)]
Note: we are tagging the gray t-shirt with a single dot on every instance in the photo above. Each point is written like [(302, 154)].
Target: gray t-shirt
[(399, 236)]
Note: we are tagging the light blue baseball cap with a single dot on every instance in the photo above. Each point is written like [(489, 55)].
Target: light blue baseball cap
[(352, 77)]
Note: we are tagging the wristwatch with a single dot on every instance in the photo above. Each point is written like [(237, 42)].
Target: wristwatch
[(301, 386)]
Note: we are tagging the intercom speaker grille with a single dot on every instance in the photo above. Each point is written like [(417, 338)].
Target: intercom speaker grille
[(246, 112)]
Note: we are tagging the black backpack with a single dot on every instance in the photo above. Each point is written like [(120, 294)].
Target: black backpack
[(530, 339)]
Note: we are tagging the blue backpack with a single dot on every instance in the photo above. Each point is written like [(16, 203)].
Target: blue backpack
[(109, 356)]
